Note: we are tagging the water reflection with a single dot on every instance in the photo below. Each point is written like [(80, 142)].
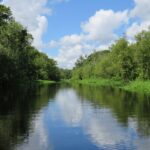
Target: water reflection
[(127, 122), (19, 109), (73, 117), (98, 124), (70, 107), (38, 139)]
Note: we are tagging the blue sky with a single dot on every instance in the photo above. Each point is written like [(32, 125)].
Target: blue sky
[(67, 17), (67, 29)]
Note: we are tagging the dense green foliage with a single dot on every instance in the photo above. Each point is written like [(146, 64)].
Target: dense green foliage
[(19, 60), (122, 61), (65, 74)]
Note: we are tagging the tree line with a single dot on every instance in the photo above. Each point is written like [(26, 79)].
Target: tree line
[(123, 60), (19, 60)]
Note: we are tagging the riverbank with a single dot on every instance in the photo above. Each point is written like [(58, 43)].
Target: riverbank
[(27, 83), (44, 82), (138, 86), (133, 86)]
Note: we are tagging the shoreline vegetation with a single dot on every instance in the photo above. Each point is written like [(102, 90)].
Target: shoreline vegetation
[(45, 82), (138, 86)]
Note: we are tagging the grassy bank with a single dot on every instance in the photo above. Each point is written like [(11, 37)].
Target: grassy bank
[(133, 86), (100, 82), (138, 86), (44, 82)]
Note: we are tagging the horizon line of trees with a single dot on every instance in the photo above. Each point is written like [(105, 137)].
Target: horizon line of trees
[(123, 60), (19, 60)]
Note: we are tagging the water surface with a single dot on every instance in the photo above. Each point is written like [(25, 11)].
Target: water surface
[(64, 117)]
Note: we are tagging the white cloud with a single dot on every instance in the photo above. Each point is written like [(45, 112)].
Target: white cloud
[(103, 24), (136, 28), (69, 54), (140, 11), (72, 39), (38, 32)]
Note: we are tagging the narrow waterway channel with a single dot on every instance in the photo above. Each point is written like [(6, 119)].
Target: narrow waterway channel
[(79, 117)]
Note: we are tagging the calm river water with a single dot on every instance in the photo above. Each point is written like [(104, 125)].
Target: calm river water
[(64, 117)]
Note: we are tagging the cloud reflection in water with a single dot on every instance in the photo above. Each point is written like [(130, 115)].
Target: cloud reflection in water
[(101, 127)]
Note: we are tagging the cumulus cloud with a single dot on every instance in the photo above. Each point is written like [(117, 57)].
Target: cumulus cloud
[(72, 39), (136, 28), (39, 31), (102, 25), (68, 54), (141, 11)]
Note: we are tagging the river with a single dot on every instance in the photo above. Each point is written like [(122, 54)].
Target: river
[(77, 117)]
